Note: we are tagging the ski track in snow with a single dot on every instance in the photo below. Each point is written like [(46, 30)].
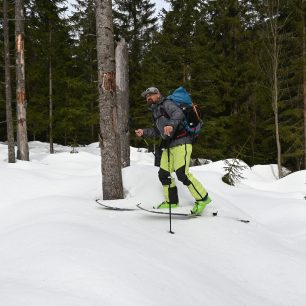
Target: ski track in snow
[(59, 247)]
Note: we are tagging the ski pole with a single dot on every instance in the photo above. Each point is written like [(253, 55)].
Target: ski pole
[(145, 141), (170, 215)]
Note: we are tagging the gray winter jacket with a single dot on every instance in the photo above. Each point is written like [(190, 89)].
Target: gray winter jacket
[(167, 113)]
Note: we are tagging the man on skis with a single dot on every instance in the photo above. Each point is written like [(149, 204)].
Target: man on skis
[(168, 121)]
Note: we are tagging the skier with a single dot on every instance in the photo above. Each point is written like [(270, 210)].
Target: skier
[(168, 121)]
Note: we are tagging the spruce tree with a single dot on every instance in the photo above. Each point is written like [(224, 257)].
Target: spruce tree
[(292, 78), (170, 57), (224, 75), (85, 64), (46, 19)]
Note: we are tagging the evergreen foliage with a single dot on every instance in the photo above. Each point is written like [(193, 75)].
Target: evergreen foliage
[(45, 18), (73, 57), (215, 49), (233, 169), (292, 81), (85, 67)]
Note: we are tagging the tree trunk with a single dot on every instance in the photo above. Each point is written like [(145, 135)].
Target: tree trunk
[(275, 91), (275, 96), (50, 99), (122, 83), (8, 88), (22, 137), (274, 50), (304, 91), (92, 107), (110, 141)]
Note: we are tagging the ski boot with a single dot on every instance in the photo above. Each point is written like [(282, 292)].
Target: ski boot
[(166, 204), (199, 206)]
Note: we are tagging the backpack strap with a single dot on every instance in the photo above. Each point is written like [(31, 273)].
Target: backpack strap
[(180, 130)]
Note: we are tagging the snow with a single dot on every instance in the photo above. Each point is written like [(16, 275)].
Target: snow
[(58, 247)]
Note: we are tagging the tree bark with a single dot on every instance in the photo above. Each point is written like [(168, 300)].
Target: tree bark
[(50, 98), (304, 91), (22, 137), (8, 87), (122, 83), (275, 96), (110, 141), (275, 87), (274, 49)]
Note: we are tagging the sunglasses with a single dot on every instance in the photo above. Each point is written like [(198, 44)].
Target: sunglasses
[(150, 94)]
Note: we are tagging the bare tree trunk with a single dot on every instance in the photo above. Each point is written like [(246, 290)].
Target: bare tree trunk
[(50, 98), (91, 12), (275, 93), (275, 96), (8, 88), (92, 107), (110, 141), (304, 91), (274, 49), (22, 137), (122, 83)]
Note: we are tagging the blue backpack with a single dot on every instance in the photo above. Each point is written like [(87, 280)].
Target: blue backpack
[(193, 117)]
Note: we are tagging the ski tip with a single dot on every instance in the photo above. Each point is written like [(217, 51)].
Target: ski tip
[(244, 221)]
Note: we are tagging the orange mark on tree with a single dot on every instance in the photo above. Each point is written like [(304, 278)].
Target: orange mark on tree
[(21, 96), (109, 81), (20, 43)]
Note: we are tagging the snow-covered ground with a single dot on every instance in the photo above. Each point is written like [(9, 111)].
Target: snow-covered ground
[(58, 247)]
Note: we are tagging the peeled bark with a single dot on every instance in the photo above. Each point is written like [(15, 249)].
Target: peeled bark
[(8, 88), (22, 137), (109, 136), (122, 83)]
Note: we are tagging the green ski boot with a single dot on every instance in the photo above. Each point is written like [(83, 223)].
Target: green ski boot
[(165, 204), (199, 206)]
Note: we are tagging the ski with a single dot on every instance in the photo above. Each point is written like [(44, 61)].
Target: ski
[(215, 214), (166, 212), (111, 205), (188, 215)]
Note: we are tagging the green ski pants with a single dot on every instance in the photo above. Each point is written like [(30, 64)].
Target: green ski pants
[(178, 159)]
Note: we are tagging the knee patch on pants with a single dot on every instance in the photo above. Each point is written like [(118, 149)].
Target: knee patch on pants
[(182, 176), (164, 177), (173, 197)]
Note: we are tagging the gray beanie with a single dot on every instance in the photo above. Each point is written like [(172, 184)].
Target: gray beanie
[(150, 90)]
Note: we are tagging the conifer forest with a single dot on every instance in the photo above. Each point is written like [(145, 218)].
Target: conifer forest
[(242, 61)]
